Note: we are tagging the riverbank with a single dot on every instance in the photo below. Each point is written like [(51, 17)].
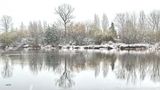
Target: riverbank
[(106, 47)]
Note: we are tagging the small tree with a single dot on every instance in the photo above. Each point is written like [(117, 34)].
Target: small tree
[(6, 22), (8, 38), (113, 31)]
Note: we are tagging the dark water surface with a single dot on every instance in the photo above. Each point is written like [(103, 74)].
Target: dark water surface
[(79, 70)]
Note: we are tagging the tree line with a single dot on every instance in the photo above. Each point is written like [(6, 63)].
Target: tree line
[(126, 28)]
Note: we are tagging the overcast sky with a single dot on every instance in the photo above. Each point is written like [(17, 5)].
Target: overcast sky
[(29, 10)]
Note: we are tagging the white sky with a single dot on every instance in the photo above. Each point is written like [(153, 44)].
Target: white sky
[(29, 10)]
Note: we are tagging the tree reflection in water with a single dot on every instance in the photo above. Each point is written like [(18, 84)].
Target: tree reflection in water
[(65, 80), (7, 69), (129, 66), (36, 61)]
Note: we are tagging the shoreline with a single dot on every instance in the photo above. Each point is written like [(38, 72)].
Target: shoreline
[(104, 47)]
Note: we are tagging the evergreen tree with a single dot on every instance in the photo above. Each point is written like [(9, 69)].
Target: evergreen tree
[(51, 36), (113, 31)]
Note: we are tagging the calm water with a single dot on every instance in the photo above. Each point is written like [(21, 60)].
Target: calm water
[(77, 70)]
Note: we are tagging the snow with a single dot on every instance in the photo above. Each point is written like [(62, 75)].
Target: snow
[(105, 48)]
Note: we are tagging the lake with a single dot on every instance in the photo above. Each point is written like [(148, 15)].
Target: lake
[(79, 70)]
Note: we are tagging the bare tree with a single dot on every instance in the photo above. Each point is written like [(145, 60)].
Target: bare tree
[(142, 21), (154, 24), (65, 79), (34, 34), (78, 33), (142, 27), (120, 21), (127, 26), (96, 21), (7, 70), (131, 29), (105, 22), (6, 22), (154, 20), (65, 12)]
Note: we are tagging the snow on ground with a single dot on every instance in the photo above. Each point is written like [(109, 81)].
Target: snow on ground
[(105, 48)]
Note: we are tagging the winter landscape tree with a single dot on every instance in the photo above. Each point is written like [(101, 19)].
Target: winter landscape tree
[(65, 12)]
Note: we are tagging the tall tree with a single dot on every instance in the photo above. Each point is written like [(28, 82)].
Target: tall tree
[(96, 21), (142, 26), (34, 34), (65, 12), (120, 21), (105, 22), (142, 21)]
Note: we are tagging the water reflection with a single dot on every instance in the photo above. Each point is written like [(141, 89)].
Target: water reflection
[(129, 67), (65, 79), (7, 68)]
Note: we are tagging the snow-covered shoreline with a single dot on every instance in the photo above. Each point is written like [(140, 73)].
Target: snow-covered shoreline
[(105, 47), (108, 46), (115, 46)]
